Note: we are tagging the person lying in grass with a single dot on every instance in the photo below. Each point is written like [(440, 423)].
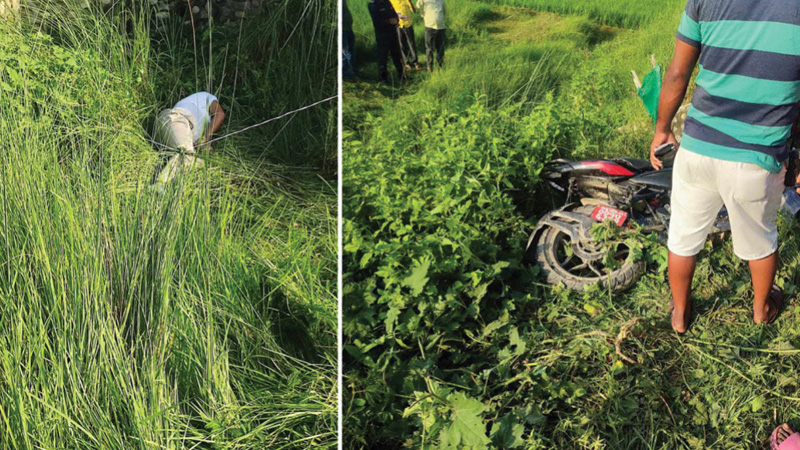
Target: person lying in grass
[(736, 139), (182, 129)]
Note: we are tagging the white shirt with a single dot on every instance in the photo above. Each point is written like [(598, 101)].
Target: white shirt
[(198, 105), (432, 12)]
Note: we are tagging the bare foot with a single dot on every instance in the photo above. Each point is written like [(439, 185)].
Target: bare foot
[(771, 308), (681, 318)]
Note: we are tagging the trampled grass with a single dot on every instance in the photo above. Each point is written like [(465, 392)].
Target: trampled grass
[(536, 367), (198, 317)]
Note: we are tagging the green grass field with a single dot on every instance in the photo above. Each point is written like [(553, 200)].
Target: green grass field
[(452, 342), (623, 13), (203, 316)]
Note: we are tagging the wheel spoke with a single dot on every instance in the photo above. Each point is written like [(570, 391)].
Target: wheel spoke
[(583, 265), (591, 266), (569, 258)]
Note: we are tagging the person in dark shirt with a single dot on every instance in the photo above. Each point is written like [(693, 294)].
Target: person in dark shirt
[(384, 19)]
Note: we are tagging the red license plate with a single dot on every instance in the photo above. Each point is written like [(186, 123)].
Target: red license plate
[(602, 213)]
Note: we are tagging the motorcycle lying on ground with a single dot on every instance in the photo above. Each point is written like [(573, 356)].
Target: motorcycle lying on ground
[(626, 191)]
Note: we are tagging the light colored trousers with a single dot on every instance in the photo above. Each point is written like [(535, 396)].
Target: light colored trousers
[(174, 134), (702, 185)]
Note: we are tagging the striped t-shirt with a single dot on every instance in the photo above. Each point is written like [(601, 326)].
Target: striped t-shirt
[(748, 87)]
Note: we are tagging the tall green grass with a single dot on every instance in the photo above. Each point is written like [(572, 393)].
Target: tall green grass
[(197, 317)]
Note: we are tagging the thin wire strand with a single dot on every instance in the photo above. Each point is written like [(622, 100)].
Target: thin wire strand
[(273, 119)]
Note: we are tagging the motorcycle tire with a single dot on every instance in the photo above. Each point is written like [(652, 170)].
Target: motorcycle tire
[(546, 257)]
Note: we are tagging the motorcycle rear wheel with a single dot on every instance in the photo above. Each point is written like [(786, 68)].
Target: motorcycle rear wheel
[(562, 267)]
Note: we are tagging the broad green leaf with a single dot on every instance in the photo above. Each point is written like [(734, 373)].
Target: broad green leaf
[(757, 403), (466, 429), (507, 432), (418, 278)]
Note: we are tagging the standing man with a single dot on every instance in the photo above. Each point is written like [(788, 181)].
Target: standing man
[(433, 13), (405, 32), (187, 125), (736, 138), (384, 20)]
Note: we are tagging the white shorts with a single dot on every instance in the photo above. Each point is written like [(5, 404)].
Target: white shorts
[(174, 130), (702, 185)]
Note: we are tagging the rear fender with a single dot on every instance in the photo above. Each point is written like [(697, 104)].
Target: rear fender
[(577, 226)]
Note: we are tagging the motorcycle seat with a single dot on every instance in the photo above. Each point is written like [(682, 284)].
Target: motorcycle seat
[(636, 165), (661, 179)]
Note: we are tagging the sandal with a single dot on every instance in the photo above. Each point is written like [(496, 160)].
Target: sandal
[(775, 299), (792, 441)]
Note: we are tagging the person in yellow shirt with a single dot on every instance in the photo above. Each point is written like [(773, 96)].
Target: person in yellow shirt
[(405, 32)]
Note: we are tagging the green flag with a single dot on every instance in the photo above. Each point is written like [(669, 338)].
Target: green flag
[(651, 90)]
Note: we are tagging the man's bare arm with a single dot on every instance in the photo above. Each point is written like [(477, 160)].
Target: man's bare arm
[(673, 91), (217, 118)]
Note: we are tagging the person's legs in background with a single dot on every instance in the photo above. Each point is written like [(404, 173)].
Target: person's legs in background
[(408, 47), (397, 57), (440, 44), (430, 43), (383, 43), (348, 54), (400, 39)]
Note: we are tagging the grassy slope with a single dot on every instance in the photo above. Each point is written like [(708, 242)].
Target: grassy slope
[(726, 384), (203, 317)]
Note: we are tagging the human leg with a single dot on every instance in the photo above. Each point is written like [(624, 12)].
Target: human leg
[(412, 46), (397, 57), (401, 38), (348, 49), (681, 273), (762, 274), (408, 46), (383, 56), (695, 205), (430, 42), (181, 126), (440, 45), (752, 196)]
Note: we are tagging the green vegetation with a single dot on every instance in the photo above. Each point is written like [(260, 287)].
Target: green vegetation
[(622, 13), (450, 341), (198, 317)]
